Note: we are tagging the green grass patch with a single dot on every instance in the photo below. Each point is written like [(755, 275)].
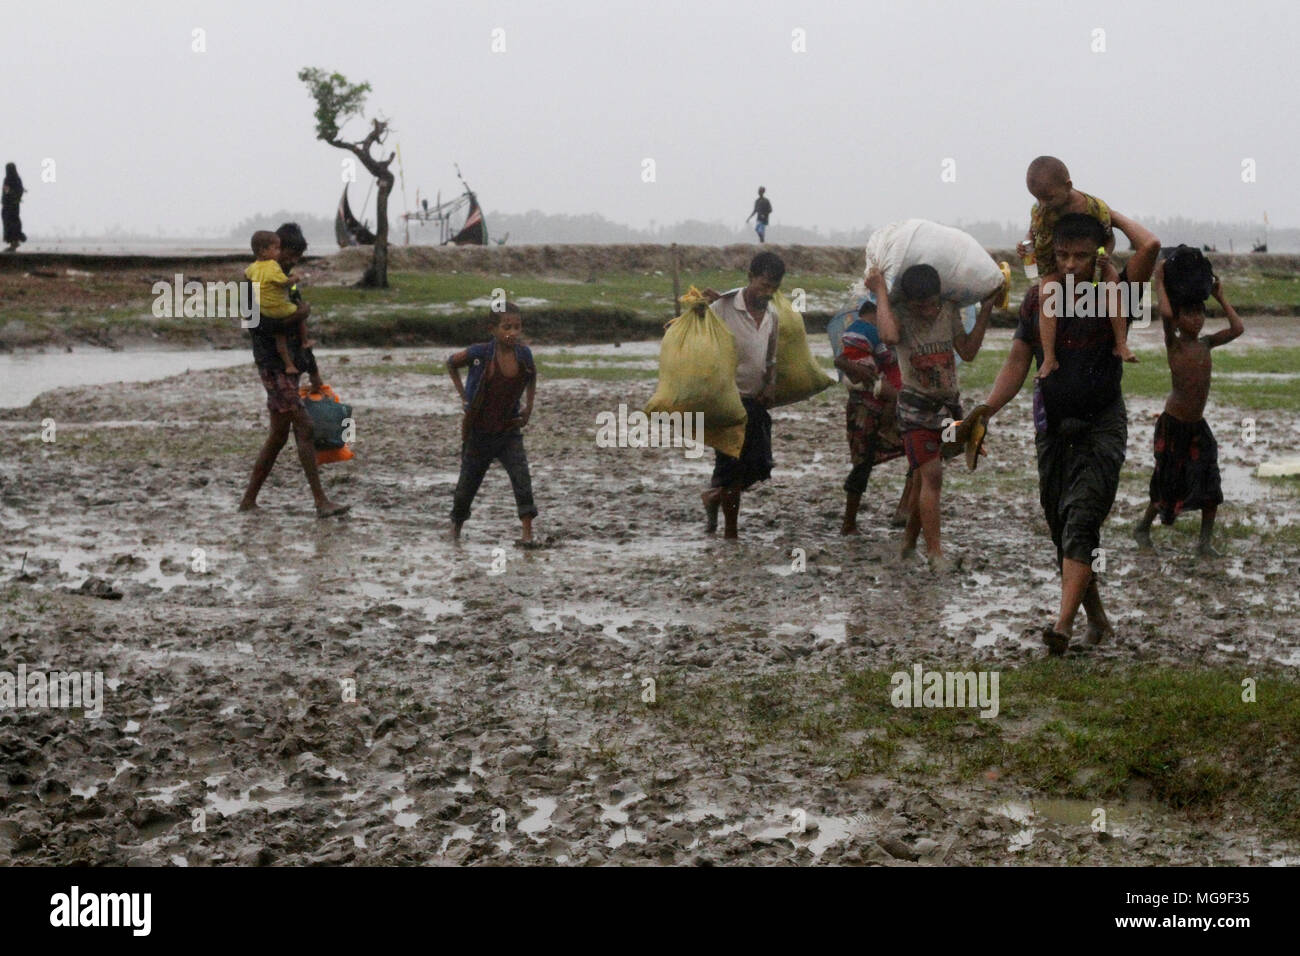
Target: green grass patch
[(647, 294), (1074, 729), (1149, 377)]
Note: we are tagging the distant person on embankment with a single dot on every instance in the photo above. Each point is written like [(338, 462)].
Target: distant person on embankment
[(12, 196), (282, 398), (763, 210)]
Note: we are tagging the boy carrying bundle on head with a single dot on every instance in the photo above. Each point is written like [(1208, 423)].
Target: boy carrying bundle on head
[(501, 374), (1049, 183), (1186, 476), (926, 332)]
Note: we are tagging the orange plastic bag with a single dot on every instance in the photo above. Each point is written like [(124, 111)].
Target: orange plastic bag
[(326, 456)]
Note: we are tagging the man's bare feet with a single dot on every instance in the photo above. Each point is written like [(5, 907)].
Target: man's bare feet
[(1125, 353), (525, 532), (1056, 641), (849, 527), (455, 530), (1098, 634), (1143, 538), (328, 509), (712, 499), (940, 563), (248, 505)]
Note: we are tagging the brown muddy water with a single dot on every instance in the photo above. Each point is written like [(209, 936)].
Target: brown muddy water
[(285, 690)]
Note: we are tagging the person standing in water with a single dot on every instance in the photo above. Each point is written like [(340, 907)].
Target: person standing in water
[(12, 196), (763, 210)]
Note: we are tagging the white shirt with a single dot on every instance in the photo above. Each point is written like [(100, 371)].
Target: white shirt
[(755, 343)]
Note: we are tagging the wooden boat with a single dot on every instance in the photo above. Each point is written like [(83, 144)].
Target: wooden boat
[(347, 230)]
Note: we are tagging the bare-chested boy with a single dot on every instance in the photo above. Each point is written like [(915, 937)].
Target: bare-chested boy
[(1186, 476), (498, 400)]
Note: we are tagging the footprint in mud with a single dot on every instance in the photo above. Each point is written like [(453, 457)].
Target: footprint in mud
[(550, 541)]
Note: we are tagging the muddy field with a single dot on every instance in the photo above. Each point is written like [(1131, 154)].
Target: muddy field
[(503, 717)]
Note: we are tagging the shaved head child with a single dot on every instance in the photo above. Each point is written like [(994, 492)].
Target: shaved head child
[(1079, 253)]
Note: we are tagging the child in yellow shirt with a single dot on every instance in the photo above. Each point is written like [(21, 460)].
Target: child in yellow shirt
[(273, 292), (1048, 181)]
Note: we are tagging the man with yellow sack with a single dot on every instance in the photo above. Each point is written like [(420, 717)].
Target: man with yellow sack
[(753, 322)]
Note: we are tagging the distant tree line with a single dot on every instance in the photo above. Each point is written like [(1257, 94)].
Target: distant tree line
[(536, 227)]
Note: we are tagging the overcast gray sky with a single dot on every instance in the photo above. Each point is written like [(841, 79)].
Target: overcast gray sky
[(147, 133)]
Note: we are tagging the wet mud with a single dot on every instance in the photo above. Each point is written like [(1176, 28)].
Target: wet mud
[(283, 690)]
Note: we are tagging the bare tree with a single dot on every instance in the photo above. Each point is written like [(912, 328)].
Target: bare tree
[(336, 101)]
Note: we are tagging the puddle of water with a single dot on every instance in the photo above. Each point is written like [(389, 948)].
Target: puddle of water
[(984, 607), (819, 835), (24, 375), (831, 627), (77, 564), (643, 348), (541, 819), (397, 806), (552, 619), (165, 794), (460, 833), (617, 812), (624, 835), (270, 796), (1240, 486), (1120, 819), (432, 608)]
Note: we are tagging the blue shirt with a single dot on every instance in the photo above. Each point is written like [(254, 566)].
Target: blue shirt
[(481, 356)]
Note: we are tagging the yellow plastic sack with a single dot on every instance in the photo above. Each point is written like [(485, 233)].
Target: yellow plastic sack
[(798, 376), (697, 373)]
